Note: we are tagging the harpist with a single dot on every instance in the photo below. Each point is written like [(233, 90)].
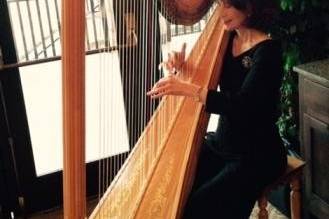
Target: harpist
[(246, 152)]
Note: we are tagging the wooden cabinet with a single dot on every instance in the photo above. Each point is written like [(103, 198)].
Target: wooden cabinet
[(314, 136)]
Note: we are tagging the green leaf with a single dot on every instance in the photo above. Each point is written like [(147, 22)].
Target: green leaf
[(284, 5)]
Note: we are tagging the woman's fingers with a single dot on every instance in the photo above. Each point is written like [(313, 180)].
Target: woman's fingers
[(169, 66), (175, 60), (164, 81), (159, 91), (178, 58), (164, 86), (157, 96)]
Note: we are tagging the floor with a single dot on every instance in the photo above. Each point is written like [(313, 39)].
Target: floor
[(58, 214)]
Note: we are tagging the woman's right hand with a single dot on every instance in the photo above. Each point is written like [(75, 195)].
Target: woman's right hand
[(175, 61)]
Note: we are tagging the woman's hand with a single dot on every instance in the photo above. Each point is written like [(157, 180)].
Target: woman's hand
[(172, 85), (175, 60)]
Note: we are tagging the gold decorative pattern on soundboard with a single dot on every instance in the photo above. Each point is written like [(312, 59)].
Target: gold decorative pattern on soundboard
[(135, 180), (160, 195)]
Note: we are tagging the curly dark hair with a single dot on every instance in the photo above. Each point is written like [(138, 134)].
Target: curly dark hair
[(261, 13)]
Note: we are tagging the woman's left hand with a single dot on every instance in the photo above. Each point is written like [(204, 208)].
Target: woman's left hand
[(172, 85)]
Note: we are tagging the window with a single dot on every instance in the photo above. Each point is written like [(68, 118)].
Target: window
[(36, 28)]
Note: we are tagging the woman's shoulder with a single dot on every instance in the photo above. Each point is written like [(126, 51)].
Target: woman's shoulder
[(268, 48), (268, 53)]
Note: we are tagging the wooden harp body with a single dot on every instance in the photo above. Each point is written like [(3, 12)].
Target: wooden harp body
[(185, 12), (156, 178)]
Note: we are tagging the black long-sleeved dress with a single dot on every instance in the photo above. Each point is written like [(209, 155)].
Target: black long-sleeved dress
[(246, 152)]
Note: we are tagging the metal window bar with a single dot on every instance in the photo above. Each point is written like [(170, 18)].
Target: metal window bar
[(88, 9), (104, 23), (51, 59), (177, 30), (32, 29), (57, 17), (21, 28), (169, 33), (35, 41), (50, 29), (87, 37), (30, 26), (92, 5), (41, 29)]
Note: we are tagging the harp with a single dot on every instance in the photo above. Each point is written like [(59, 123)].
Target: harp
[(157, 176)]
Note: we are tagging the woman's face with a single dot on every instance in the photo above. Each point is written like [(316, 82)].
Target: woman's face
[(233, 18)]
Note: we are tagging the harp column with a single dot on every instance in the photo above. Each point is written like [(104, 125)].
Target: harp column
[(73, 68)]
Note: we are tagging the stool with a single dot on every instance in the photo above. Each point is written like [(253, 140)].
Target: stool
[(292, 176)]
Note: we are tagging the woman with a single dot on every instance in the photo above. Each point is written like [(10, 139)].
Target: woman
[(246, 152)]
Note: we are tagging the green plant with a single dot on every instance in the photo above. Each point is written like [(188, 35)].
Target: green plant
[(304, 32)]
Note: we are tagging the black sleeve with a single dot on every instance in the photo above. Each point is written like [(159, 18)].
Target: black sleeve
[(261, 84)]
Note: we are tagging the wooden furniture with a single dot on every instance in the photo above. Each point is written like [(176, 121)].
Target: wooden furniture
[(314, 135), (292, 177)]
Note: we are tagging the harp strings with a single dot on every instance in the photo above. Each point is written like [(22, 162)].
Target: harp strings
[(131, 68), (138, 62), (108, 127)]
